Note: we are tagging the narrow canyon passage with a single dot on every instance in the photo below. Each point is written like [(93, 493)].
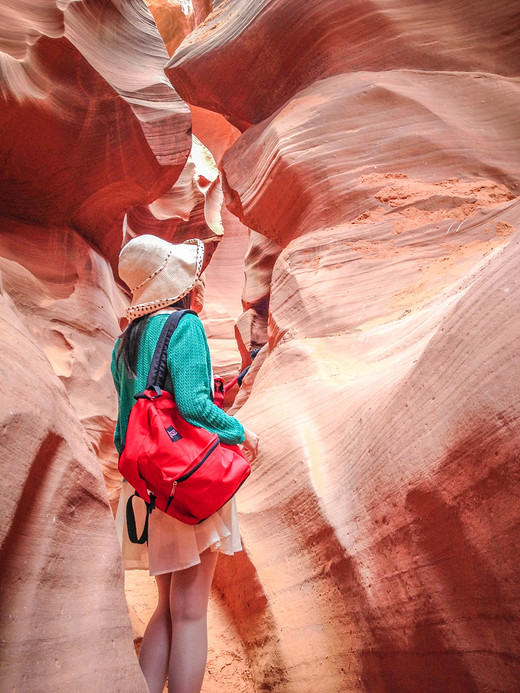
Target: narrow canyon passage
[(353, 169)]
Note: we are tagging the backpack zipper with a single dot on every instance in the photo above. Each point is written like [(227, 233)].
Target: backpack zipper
[(188, 474), (192, 471), (174, 486)]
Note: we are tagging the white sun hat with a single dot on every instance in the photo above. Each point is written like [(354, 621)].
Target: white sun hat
[(159, 273)]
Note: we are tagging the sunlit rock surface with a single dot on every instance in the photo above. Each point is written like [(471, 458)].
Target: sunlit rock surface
[(192, 208), (373, 207), (247, 59), (396, 532), (379, 174), (176, 19), (89, 127), (311, 164)]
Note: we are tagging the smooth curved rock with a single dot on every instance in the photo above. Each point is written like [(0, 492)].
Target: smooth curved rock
[(176, 19), (251, 327), (89, 128), (192, 208), (64, 621), (248, 59), (214, 131), (380, 180), (102, 128), (352, 278), (389, 513), (222, 306), (64, 292), (391, 333), (310, 166)]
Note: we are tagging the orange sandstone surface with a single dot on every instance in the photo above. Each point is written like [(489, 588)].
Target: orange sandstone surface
[(353, 169)]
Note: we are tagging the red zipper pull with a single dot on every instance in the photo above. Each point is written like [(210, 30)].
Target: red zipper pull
[(173, 489)]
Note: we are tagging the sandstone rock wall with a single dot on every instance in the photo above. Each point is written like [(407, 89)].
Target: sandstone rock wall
[(369, 160), (379, 164), (93, 138), (61, 582), (272, 49), (89, 128)]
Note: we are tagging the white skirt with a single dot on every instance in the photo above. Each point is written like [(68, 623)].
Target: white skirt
[(174, 545)]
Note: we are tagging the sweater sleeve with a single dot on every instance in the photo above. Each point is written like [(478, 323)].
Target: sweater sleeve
[(190, 367), (115, 378), (118, 441)]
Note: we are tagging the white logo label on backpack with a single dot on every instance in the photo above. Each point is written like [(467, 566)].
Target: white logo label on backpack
[(174, 435)]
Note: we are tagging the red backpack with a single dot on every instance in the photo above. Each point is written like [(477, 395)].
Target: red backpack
[(182, 469)]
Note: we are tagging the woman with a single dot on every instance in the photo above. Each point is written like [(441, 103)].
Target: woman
[(182, 557)]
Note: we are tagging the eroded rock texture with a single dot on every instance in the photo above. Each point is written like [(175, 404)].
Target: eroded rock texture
[(271, 49), (399, 516), (369, 160), (64, 292), (89, 128), (61, 580), (378, 169)]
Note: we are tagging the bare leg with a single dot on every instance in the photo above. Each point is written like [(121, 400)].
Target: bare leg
[(156, 645), (189, 596)]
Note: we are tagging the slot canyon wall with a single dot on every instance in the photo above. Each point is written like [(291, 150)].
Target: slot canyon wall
[(361, 160)]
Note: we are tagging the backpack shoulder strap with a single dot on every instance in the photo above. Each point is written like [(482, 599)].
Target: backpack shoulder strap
[(159, 365)]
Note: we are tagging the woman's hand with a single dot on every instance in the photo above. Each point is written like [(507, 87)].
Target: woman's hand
[(250, 445)]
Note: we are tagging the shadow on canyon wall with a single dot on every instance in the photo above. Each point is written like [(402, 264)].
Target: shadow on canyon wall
[(374, 176), (481, 632)]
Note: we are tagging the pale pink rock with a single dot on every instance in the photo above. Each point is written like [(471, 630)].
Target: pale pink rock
[(222, 306), (311, 165), (378, 181), (388, 514), (251, 328), (64, 623), (192, 208), (248, 59), (380, 151)]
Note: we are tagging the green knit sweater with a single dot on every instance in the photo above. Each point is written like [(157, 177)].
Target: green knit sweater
[(189, 379)]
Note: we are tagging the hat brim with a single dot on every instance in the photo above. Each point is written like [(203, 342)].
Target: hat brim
[(173, 280)]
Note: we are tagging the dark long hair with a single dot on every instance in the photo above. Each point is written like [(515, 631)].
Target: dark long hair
[(130, 340)]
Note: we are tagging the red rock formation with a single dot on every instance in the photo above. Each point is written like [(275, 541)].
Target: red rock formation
[(222, 306), (64, 624), (214, 131), (192, 208), (63, 291), (247, 59), (325, 144), (252, 325), (176, 19), (389, 514), (379, 175), (380, 522), (88, 128), (106, 111)]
